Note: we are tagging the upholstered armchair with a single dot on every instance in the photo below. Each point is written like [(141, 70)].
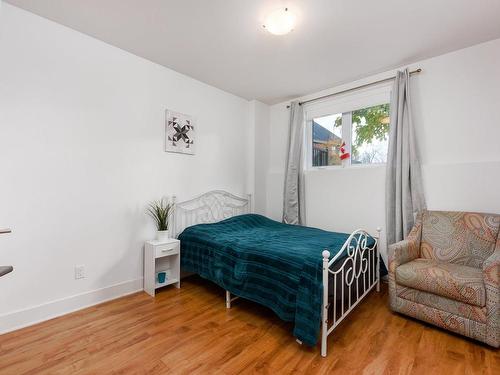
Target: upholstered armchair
[(447, 273)]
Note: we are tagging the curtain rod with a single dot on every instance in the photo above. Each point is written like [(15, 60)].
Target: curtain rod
[(354, 88)]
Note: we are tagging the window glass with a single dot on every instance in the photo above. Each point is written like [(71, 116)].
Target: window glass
[(370, 133), (326, 140)]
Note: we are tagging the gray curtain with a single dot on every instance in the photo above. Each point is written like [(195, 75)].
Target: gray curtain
[(293, 195), (404, 195)]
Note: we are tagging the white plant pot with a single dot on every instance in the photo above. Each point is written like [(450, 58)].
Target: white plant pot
[(162, 235)]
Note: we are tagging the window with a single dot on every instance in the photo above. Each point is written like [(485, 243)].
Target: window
[(364, 131), (326, 140), (370, 133)]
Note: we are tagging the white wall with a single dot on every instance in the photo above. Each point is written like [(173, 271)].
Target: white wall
[(81, 154), (260, 118), (455, 100)]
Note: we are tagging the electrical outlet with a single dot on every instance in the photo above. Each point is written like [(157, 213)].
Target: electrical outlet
[(79, 272)]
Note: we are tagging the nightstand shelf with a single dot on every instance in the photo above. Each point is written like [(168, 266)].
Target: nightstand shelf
[(167, 282), (161, 256)]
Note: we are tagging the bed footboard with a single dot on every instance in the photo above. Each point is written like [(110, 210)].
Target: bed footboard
[(347, 279)]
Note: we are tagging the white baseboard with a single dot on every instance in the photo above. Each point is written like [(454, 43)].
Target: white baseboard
[(36, 314)]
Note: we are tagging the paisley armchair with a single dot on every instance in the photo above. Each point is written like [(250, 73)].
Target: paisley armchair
[(447, 273)]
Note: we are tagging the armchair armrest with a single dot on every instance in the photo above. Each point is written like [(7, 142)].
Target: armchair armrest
[(400, 253), (491, 268), (404, 251), (493, 261), (491, 276)]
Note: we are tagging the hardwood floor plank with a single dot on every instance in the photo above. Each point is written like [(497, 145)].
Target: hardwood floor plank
[(189, 331)]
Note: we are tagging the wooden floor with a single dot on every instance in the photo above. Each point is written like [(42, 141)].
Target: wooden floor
[(190, 331)]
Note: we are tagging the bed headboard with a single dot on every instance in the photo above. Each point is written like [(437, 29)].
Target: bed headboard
[(210, 207)]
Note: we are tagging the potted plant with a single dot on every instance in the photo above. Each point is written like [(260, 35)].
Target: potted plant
[(160, 211)]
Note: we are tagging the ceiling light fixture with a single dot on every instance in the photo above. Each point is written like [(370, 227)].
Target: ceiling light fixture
[(280, 22)]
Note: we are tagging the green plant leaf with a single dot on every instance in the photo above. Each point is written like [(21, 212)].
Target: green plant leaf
[(160, 211)]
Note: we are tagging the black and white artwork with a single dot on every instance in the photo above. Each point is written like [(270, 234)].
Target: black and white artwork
[(179, 133)]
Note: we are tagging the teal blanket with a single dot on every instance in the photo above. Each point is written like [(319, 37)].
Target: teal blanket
[(274, 264)]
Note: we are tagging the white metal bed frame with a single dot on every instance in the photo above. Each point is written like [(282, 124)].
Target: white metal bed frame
[(361, 263)]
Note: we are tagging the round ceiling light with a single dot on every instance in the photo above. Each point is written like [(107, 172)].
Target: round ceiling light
[(280, 22)]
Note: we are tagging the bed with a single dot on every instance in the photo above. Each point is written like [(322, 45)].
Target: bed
[(307, 276)]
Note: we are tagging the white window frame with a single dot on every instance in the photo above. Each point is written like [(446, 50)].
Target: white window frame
[(345, 104)]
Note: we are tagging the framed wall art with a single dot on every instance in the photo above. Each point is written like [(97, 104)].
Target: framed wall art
[(179, 133)]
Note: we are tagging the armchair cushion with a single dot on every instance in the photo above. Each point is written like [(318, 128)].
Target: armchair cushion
[(458, 308), (449, 280)]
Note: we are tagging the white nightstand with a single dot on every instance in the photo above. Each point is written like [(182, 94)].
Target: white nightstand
[(161, 256)]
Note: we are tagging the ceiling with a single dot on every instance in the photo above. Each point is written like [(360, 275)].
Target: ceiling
[(222, 42)]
